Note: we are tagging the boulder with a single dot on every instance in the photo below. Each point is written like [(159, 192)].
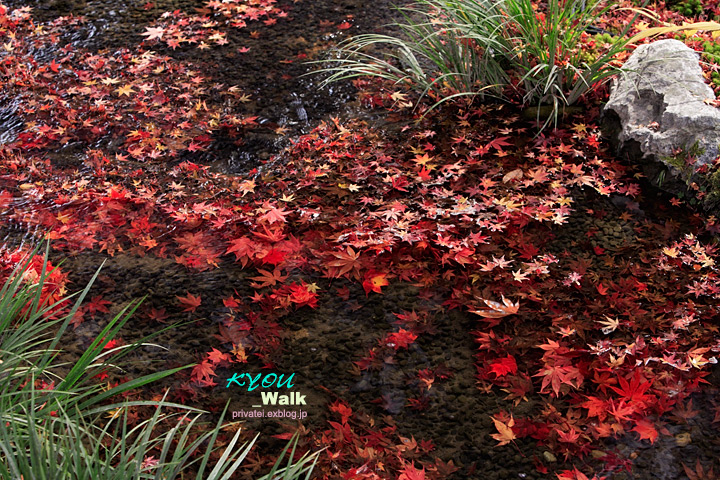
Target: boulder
[(660, 114)]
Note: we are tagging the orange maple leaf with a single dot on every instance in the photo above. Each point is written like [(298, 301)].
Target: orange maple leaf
[(191, 302), (374, 282), (215, 356), (505, 434), (411, 473)]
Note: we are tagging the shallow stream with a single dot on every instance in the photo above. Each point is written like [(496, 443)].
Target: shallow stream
[(321, 345)]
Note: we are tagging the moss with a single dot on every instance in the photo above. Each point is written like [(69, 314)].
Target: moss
[(680, 162), (712, 186), (689, 8)]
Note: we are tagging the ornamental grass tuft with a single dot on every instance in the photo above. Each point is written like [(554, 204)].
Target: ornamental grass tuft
[(449, 49), (57, 422)]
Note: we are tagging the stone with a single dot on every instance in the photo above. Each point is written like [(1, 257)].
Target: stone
[(659, 115)]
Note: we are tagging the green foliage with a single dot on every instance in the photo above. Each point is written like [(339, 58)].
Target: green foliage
[(689, 8), (711, 54), (453, 48), (54, 418)]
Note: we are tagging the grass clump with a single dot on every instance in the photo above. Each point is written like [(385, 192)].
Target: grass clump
[(471, 48), (56, 422)]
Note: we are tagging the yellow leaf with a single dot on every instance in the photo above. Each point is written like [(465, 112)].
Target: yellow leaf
[(516, 174), (398, 96), (669, 28), (505, 434), (610, 325), (126, 90)]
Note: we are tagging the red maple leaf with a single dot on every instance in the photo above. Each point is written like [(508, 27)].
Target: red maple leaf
[(303, 295), (574, 474), (634, 391), (409, 472), (203, 372), (497, 143), (596, 407), (504, 366), (268, 279), (274, 256), (401, 339), (97, 304), (243, 248), (231, 302), (343, 409), (345, 262), (191, 302), (646, 430), (157, 315), (275, 215), (557, 375), (111, 344), (216, 356)]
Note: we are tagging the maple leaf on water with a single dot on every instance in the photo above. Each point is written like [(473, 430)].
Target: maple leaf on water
[(505, 434), (268, 279), (374, 281), (497, 309), (409, 472), (191, 302), (401, 339), (504, 366), (344, 262), (153, 32), (646, 430), (203, 373)]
